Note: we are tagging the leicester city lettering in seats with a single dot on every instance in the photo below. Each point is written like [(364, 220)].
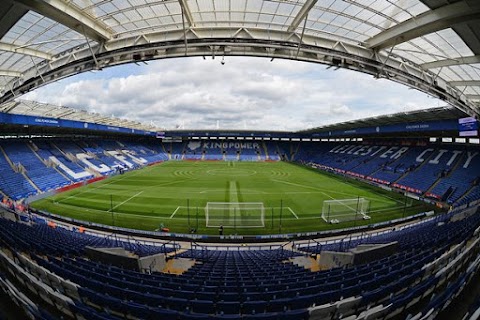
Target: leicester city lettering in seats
[(433, 156), (360, 150)]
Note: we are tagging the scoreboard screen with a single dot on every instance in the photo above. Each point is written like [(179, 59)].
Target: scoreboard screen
[(468, 127)]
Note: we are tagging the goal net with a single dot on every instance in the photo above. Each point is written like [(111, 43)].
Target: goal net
[(335, 211), (235, 214)]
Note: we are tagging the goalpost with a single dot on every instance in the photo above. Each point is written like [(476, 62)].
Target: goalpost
[(235, 214), (339, 210)]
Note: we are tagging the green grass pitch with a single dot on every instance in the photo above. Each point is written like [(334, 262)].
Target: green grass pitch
[(175, 194)]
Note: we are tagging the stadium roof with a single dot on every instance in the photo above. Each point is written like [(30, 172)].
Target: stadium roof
[(417, 116), (32, 108), (431, 45)]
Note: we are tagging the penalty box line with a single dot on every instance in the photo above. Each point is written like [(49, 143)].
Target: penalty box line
[(287, 208), (176, 210)]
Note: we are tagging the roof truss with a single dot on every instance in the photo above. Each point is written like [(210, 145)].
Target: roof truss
[(24, 50), (465, 83), (426, 23), (70, 16), (451, 62), (213, 41), (302, 14), (187, 12), (10, 73)]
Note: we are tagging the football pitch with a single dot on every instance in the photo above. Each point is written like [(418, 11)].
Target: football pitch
[(174, 194)]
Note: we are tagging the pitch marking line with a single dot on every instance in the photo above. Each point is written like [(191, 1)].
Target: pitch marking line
[(287, 208), (135, 173), (294, 214), (147, 188), (233, 197), (174, 212), (116, 213), (325, 194), (321, 190), (118, 205)]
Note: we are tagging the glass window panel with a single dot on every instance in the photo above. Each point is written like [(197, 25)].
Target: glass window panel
[(173, 8), (208, 16), (205, 5), (146, 12), (222, 16), (269, 7), (468, 72), (121, 4), (352, 10), (253, 5), (287, 9), (249, 17), (282, 20), (236, 16), (222, 5), (265, 18), (472, 91), (238, 5), (449, 75)]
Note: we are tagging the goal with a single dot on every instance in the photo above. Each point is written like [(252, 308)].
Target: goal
[(235, 214), (335, 211)]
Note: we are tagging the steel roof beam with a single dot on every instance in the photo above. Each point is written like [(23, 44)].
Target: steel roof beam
[(70, 16), (451, 62), (473, 96), (302, 14), (24, 50), (10, 73), (12, 106), (163, 45), (187, 12), (465, 83), (426, 23)]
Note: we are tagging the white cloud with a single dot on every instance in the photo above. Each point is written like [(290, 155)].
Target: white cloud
[(243, 93)]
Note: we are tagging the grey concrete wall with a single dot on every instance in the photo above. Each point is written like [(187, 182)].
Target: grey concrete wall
[(154, 263), (331, 259)]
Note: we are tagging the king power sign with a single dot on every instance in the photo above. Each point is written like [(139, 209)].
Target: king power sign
[(194, 145)]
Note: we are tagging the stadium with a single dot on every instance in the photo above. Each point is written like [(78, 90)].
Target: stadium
[(104, 217)]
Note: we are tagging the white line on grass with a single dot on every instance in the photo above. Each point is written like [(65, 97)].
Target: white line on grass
[(233, 197), (117, 213), (325, 194), (174, 212), (118, 205), (128, 214), (145, 189), (289, 209), (244, 191), (101, 185), (321, 190), (294, 214)]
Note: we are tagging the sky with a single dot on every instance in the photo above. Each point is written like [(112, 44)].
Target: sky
[(243, 93)]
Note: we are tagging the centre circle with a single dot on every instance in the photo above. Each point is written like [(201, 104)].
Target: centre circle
[(231, 172)]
